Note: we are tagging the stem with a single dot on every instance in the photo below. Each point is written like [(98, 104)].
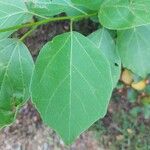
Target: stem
[(71, 25), (28, 33), (46, 21)]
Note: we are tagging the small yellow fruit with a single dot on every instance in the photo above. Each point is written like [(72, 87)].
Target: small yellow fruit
[(127, 77), (130, 131), (119, 137), (139, 85)]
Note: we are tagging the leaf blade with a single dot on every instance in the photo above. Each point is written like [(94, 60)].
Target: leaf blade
[(15, 75), (120, 14), (105, 43), (12, 12), (133, 47), (69, 91), (90, 4), (50, 8)]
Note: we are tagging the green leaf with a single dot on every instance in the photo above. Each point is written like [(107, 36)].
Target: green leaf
[(135, 111), (132, 95), (145, 100), (147, 90), (134, 49), (16, 67), (105, 43), (123, 14), (146, 111), (71, 84), (12, 12), (90, 4), (51, 8)]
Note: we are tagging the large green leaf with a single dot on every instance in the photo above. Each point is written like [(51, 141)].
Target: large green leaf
[(134, 49), (50, 8), (105, 43), (12, 12), (71, 84), (90, 4), (16, 67), (123, 14)]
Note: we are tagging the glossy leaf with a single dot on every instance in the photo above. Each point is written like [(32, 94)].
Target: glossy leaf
[(123, 14), (16, 67), (134, 49), (93, 5), (105, 43), (12, 12), (50, 8), (71, 84)]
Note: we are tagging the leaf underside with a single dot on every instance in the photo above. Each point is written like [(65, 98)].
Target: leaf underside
[(50, 8), (12, 12), (124, 14), (71, 84)]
